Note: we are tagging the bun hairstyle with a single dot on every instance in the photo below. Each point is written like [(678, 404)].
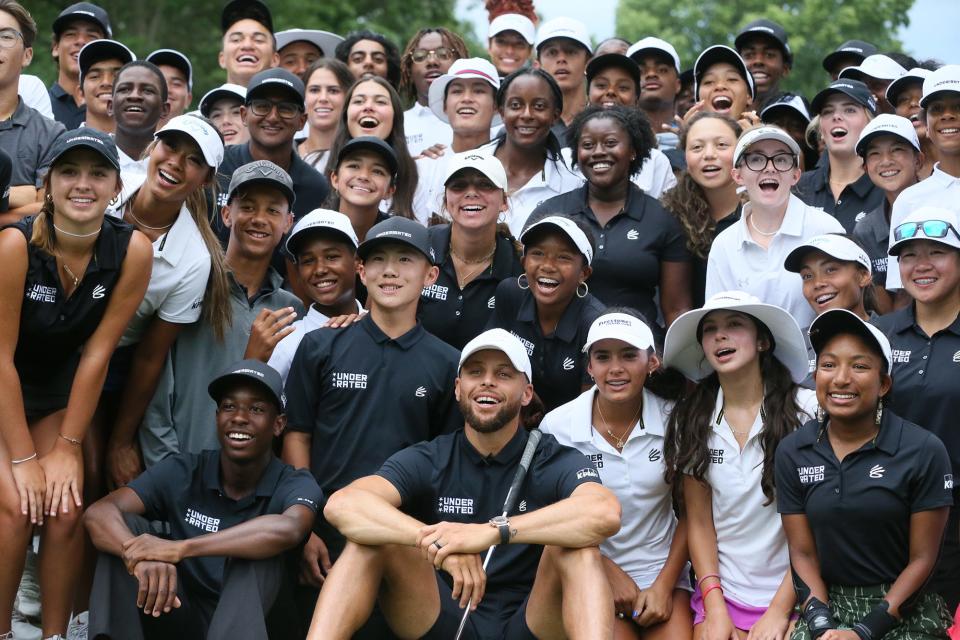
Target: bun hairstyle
[(552, 144)]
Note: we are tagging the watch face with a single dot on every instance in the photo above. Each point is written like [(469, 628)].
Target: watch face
[(499, 520)]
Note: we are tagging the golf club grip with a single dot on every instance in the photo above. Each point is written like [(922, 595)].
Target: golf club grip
[(528, 452)]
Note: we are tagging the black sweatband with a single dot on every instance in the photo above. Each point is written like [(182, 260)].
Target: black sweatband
[(875, 624), (818, 617)]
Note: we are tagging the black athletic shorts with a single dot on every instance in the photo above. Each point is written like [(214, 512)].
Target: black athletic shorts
[(479, 626)]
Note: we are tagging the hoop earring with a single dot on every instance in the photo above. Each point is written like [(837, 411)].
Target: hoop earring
[(879, 412), (586, 290), (522, 281)]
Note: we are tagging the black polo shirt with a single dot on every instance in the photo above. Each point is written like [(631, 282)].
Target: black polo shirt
[(363, 396), (873, 232), (630, 247), (926, 376), (856, 199), (65, 108), (185, 491), (859, 509), (456, 315), (53, 327), (559, 368), (28, 138), (448, 480)]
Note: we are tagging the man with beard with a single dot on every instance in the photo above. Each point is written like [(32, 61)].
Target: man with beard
[(432, 506)]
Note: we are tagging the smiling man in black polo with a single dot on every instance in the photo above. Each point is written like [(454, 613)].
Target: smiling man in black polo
[(431, 506)]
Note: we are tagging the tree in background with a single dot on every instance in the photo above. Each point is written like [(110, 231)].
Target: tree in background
[(194, 27), (815, 28)]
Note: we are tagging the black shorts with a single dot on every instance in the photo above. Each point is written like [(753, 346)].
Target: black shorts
[(49, 391), (483, 624)]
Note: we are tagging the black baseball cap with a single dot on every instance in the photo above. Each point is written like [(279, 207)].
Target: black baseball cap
[(398, 230), (850, 48), (601, 62), (237, 10), (245, 371), (771, 30), (83, 11), (720, 53), (370, 143), (276, 77), (262, 172), (175, 59), (852, 88), (88, 138), (97, 50), (787, 102)]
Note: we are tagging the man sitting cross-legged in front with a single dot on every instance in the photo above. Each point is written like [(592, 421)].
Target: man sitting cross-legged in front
[(430, 506)]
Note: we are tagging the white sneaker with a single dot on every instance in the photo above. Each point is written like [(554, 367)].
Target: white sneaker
[(27, 603), (77, 629)]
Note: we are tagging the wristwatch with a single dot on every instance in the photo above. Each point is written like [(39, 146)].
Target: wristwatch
[(503, 525)]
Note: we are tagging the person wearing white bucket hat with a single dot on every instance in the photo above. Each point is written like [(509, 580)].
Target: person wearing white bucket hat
[(747, 358), (619, 423)]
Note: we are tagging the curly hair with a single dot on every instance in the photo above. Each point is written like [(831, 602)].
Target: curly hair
[(686, 449), (342, 52), (687, 201), (632, 122), (552, 143), (450, 40)]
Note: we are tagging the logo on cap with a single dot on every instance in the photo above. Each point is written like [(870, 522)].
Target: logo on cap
[(250, 371), (87, 139), (280, 80), (473, 156), (762, 28), (393, 232)]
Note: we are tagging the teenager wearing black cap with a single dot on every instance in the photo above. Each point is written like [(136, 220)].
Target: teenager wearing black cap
[(99, 62), (427, 507), (26, 134), (76, 25), (258, 216), (848, 54), (248, 45), (63, 268), (359, 394), (838, 184), (233, 512), (925, 336), (660, 85), (763, 46), (723, 84), (368, 53), (640, 249), (364, 174), (791, 112), (178, 72), (864, 496)]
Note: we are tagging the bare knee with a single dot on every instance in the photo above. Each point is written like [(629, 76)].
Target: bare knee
[(12, 519)]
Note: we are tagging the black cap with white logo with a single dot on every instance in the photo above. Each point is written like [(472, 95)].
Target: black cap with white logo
[(88, 138), (396, 229), (245, 371), (97, 50), (370, 143), (276, 78), (768, 28), (852, 88), (83, 11), (238, 10), (850, 48), (261, 172)]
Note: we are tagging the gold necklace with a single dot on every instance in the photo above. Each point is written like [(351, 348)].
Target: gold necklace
[(70, 273), (621, 441), (140, 222), (478, 260), (462, 281)]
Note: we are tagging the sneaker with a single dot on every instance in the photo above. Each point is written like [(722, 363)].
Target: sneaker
[(27, 603), (77, 629)]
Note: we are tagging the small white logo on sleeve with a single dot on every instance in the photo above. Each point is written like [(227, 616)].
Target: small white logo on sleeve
[(492, 303), (523, 505), (877, 471), (956, 356), (99, 291), (948, 481), (568, 364), (421, 392), (633, 234)]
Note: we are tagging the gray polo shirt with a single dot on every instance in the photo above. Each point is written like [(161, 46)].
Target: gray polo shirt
[(27, 137), (181, 416)]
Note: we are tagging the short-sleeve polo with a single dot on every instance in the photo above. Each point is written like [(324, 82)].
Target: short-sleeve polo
[(856, 199), (27, 136), (873, 233)]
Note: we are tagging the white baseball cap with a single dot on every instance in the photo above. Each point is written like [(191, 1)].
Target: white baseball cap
[(489, 166), (205, 135), (226, 90), (683, 351), (946, 78), (500, 340), (887, 124), (653, 44), (324, 40), (876, 66), (916, 75), (321, 219), (564, 28), (569, 228), (463, 69), (832, 244), (763, 132), (620, 326), (837, 321), (913, 228), (513, 22)]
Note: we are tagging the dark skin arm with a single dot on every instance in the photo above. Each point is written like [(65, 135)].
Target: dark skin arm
[(315, 562), (675, 287), (803, 555)]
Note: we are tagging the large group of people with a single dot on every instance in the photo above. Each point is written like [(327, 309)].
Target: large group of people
[(397, 342)]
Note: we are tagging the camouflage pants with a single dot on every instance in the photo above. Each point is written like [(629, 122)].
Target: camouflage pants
[(928, 619)]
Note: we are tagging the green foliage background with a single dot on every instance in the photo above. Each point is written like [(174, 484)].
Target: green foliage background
[(815, 27), (193, 26)]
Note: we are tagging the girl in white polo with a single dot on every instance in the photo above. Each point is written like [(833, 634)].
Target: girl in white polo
[(620, 423), (747, 358)]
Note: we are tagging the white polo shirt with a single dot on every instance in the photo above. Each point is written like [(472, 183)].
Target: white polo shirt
[(282, 356), (35, 94), (751, 545), (556, 178), (635, 475), (939, 190), (428, 198), (424, 129), (738, 263), (655, 175)]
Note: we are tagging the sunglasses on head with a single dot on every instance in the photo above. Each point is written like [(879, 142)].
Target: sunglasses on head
[(929, 229)]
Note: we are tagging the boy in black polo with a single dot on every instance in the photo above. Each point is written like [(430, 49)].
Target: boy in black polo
[(428, 508), (360, 394), (76, 25), (232, 514)]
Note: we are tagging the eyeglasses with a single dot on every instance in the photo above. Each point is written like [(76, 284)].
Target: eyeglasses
[(443, 54), (929, 228), (262, 107), (8, 38), (781, 162)]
